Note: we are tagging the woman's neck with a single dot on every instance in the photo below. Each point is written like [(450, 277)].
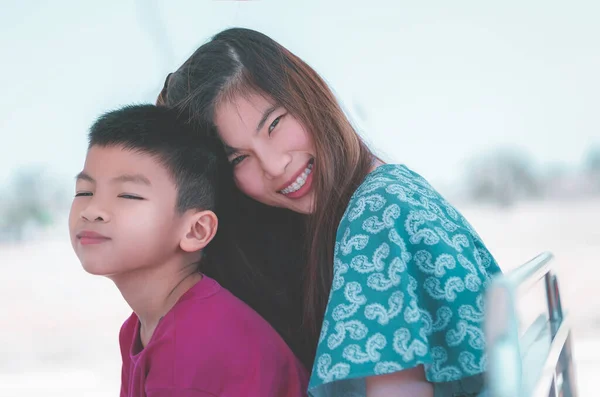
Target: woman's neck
[(376, 164)]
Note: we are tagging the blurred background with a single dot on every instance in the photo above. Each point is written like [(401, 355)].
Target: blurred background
[(496, 104)]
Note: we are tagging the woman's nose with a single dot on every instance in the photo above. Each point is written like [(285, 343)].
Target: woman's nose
[(274, 164)]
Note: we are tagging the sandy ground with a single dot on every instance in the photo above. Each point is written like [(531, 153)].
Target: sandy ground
[(59, 325)]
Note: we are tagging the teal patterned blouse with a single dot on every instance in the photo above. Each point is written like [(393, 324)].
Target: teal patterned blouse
[(409, 280)]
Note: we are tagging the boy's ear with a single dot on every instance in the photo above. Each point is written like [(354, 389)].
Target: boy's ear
[(201, 228)]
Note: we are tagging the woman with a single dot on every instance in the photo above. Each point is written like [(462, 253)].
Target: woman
[(393, 275)]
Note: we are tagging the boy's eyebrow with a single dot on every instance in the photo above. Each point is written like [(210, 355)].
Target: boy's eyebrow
[(133, 178), (82, 176)]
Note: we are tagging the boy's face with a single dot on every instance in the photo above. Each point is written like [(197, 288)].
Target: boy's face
[(123, 216)]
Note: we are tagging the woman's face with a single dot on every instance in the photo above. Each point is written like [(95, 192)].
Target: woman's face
[(272, 153)]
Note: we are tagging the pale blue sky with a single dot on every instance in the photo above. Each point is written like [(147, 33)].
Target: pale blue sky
[(438, 82)]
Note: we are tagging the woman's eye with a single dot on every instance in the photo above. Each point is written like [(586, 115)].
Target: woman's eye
[(274, 124), (238, 160), (83, 194), (131, 197)]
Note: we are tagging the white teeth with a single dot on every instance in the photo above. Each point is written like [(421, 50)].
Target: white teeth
[(299, 182)]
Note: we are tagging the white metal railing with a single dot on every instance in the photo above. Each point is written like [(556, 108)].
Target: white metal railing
[(539, 363)]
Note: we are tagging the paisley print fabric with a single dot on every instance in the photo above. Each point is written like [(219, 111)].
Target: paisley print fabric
[(409, 280)]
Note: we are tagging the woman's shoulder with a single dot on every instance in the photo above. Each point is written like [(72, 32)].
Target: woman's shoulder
[(397, 210), (394, 191), (396, 181)]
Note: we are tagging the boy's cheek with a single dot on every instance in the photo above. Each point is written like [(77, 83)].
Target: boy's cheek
[(72, 219)]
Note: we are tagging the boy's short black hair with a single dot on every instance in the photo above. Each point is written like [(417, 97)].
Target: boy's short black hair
[(190, 154)]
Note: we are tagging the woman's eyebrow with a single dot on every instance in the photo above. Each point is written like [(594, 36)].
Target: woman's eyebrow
[(229, 150), (265, 116)]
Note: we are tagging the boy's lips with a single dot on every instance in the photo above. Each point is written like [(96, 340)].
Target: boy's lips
[(90, 237)]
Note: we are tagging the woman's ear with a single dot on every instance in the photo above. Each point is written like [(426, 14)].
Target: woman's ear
[(200, 229), (162, 97)]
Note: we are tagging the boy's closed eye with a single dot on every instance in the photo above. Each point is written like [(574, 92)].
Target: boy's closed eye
[(125, 196), (131, 197)]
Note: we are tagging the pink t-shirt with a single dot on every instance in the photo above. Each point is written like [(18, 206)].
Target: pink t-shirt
[(209, 344)]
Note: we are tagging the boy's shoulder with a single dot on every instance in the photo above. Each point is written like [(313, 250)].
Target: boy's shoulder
[(211, 319), (212, 332)]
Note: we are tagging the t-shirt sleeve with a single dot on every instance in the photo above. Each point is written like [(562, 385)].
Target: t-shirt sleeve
[(175, 392), (408, 289)]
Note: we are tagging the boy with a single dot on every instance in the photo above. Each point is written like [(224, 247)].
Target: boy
[(142, 214)]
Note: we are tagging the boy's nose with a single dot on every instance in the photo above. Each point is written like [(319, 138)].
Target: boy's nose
[(92, 213)]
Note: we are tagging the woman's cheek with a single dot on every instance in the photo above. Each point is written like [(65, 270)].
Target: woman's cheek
[(249, 183)]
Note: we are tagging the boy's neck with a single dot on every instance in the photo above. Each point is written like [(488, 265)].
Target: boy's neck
[(152, 292)]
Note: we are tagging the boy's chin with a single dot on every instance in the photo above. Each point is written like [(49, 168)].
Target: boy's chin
[(99, 269)]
